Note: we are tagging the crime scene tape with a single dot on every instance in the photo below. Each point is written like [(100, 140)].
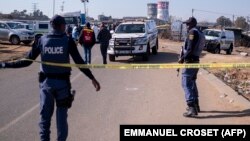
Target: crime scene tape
[(146, 66)]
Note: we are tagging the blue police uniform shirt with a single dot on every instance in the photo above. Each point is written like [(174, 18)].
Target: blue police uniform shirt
[(191, 49)]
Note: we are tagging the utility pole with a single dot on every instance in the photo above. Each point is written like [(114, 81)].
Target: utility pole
[(248, 22), (233, 20), (85, 9), (34, 7), (53, 7), (192, 12), (62, 7)]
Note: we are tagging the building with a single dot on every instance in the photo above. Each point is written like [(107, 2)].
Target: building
[(152, 10)]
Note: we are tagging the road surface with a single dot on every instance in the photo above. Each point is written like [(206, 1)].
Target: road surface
[(126, 97)]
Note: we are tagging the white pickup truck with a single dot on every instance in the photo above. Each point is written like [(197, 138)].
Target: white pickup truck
[(134, 38)]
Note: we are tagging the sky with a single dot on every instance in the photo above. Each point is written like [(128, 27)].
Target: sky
[(204, 10)]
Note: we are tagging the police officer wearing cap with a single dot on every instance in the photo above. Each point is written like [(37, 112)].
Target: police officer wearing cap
[(190, 54), (54, 81)]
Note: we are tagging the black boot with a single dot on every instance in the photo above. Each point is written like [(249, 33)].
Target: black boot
[(192, 112), (196, 105)]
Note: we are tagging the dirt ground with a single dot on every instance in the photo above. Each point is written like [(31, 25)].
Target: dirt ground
[(10, 52), (238, 79)]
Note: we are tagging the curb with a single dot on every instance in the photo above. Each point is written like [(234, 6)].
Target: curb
[(226, 91)]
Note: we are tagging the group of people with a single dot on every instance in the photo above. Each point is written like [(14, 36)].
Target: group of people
[(87, 39), (55, 87)]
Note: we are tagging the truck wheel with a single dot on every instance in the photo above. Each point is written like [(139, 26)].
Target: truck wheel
[(230, 50), (111, 58), (217, 50), (146, 55), (155, 48), (15, 40)]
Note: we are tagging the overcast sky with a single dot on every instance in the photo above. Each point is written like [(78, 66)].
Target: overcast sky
[(121, 8)]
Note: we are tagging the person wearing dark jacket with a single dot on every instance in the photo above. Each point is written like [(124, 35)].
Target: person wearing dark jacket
[(54, 81), (87, 40), (104, 36)]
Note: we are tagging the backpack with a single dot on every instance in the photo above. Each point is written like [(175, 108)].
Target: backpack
[(88, 35)]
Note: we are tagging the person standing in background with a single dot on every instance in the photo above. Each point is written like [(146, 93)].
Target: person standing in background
[(87, 40), (104, 36)]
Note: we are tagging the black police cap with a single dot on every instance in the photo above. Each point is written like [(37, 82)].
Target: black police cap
[(57, 20), (191, 20)]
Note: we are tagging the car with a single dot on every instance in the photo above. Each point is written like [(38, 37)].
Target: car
[(11, 31), (134, 38), (217, 40)]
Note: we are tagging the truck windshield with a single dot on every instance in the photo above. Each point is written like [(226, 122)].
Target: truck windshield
[(212, 33), (71, 20), (131, 28), (14, 25)]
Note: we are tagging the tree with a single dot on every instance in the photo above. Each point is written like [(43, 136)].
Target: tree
[(223, 21), (241, 23), (23, 15)]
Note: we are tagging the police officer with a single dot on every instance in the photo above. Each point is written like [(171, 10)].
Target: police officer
[(191, 54), (54, 81)]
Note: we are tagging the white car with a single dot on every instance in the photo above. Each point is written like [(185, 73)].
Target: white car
[(11, 31), (134, 38), (217, 40)]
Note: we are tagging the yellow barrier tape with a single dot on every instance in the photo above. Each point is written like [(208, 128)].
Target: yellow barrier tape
[(147, 66)]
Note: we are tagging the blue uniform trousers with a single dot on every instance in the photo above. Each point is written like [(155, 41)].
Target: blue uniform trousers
[(189, 77), (52, 90)]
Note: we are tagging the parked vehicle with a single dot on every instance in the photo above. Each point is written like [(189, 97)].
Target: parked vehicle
[(12, 32), (41, 27), (217, 40), (134, 38), (73, 18)]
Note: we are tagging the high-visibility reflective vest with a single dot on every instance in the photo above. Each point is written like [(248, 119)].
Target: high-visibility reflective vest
[(88, 35)]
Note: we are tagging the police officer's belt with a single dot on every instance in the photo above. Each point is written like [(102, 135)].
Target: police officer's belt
[(43, 76), (193, 59)]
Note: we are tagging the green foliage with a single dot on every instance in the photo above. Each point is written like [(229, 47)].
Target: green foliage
[(223, 21), (241, 22), (23, 15)]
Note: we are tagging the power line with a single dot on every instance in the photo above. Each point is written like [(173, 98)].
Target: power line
[(206, 11)]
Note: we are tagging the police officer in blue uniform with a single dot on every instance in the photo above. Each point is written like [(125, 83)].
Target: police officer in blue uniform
[(54, 81), (191, 54)]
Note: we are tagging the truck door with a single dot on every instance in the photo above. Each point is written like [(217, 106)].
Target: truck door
[(223, 40), (4, 32)]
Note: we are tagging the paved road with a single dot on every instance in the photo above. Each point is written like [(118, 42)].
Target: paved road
[(126, 97)]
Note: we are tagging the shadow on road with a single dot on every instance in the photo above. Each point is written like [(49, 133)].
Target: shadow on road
[(225, 114), (161, 57)]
